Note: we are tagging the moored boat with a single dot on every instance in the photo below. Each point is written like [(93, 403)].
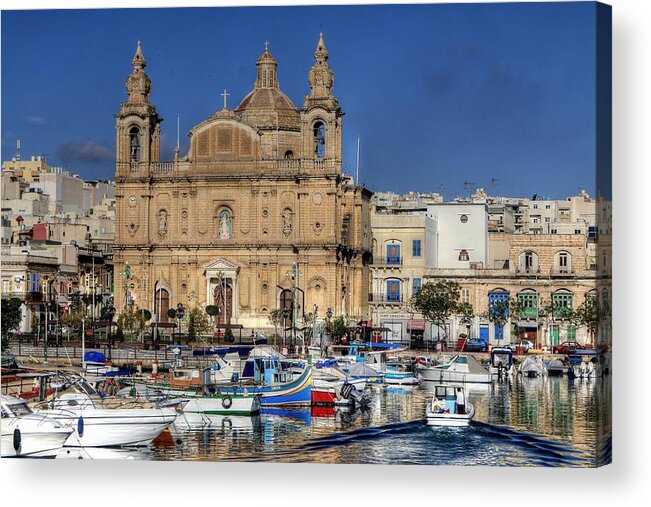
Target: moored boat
[(461, 368), (501, 362), (25, 433), (449, 406), (531, 366)]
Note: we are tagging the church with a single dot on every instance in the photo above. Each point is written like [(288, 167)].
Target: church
[(256, 215)]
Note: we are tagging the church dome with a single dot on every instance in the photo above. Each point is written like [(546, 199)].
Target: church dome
[(267, 107)]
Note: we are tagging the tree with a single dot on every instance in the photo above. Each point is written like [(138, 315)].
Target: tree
[(199, 323), (132, 321), (74, 320), (498, 313), (437, 301), (337, 327), (589, 315), (275, 318), (11, 316)]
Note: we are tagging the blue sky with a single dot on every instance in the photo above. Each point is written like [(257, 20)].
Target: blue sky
[(496, 95)]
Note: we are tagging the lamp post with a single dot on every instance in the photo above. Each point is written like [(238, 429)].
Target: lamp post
[(180, 313), (110, 313)]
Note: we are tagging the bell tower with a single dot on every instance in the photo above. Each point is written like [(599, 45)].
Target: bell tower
[(138, 123), (322, 115)]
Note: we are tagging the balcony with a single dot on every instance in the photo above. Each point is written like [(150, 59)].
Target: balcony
[(529, 313), (528, 271), (386, 298)]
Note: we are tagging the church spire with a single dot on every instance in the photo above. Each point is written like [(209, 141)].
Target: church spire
[(267, 70), (138, 82), (321, 79), (139, 58)]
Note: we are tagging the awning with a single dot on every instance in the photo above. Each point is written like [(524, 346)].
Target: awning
[(528, 324), (416, 325)]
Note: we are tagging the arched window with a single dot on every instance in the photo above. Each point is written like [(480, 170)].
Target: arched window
[(319, 139), (393, 291), (563, 262), (562, 303), (285, 300), (463, 255), (289, 154), (528, 303), (605, 301), (225, 224), (393, 253), (528, 262), (134, 144)]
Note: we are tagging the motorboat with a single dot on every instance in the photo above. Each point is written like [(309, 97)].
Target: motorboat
[(25, 433), (340, 392), (94, 425), (211, 401), (556, 367), (532, 366), (501, 362), (461, 368), (584, 369), (449, 406)]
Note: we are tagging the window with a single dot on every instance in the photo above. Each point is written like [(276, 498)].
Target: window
[(554, 231), (465, 295), (528, 302), (463, 255), (319, 139), (547, 219), (393, 291), (498, 303), (415, 248), (548, 206), (289, 155), (393, 254), (564, 261), (415, 286), (604, 299), (535, 206), (577, 231), (562, 303), (464, 219)]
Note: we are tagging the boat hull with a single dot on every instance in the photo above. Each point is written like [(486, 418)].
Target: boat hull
[(43, 440), (221, 405), (113, 427), (441, 375), (451, 420)]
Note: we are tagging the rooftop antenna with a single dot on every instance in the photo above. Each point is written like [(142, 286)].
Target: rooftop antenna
[(357, 168), (494, 182), (18, 150)]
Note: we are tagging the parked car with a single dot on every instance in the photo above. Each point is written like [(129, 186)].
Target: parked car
[(525, 344), (476, 345), (567, 347)]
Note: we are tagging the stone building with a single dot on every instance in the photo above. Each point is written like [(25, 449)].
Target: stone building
[(256, 213)]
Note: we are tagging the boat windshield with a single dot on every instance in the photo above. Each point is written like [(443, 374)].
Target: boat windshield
[(18, 409)]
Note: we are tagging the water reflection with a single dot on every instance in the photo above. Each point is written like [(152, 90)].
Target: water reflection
[(518, 421)]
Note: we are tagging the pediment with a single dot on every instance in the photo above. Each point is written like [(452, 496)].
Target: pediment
[(221, 264)]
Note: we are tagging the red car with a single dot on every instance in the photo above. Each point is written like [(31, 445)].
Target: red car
[(567, 347)]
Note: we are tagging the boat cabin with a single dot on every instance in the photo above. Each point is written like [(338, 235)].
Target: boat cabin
[(188, 378), (445, 398), (501, 358)]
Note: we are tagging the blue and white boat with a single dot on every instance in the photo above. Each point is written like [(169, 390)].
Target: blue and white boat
[(274, 383)]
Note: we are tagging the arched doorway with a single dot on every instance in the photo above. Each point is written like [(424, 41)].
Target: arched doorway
[(162, 300), (223, 297)]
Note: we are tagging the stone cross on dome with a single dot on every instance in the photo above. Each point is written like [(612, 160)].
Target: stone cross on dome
[(225, 94), (266, 46)]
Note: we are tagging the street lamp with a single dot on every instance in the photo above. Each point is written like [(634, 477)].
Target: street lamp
[(180, 313), (110, 313)]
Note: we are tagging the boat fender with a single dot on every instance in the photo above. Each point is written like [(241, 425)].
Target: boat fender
[(227, 401), (17, 440), (80, 426)]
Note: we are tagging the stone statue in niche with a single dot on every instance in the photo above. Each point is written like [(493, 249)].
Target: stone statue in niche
[(225, 228), (287, 222), (162, 222)]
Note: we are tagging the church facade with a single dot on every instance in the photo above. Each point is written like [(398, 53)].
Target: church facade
[(255, 215)]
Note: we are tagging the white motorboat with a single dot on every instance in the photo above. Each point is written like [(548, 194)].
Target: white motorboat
[(501, 362), (556, 367), (25, 433), (449, 406), (212, 402), (532, 366), (461, 368), (96, 426)]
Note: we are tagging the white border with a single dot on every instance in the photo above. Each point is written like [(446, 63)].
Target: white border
[(101, 483)]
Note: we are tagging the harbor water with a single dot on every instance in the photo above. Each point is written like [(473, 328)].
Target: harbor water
[(550, 421)]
